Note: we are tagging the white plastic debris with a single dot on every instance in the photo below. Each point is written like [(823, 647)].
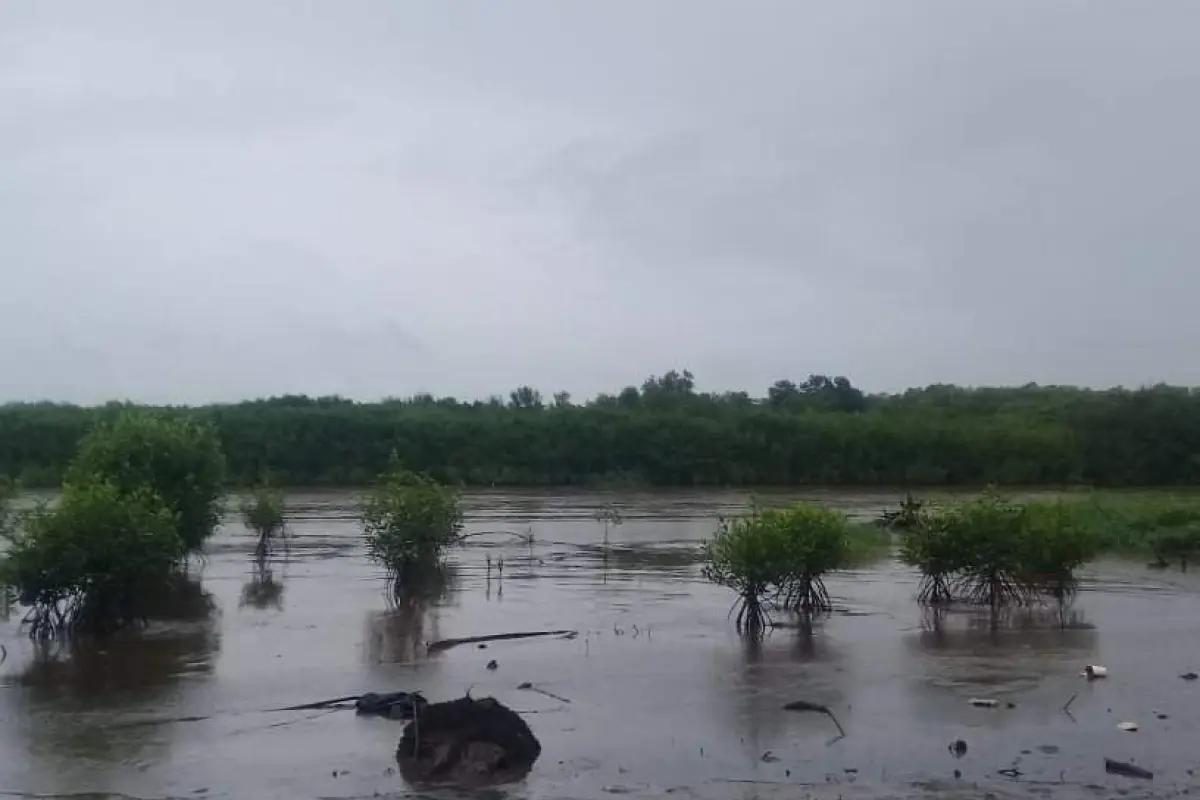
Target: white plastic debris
[(983, 702), (1128, 726), (1094, 671)]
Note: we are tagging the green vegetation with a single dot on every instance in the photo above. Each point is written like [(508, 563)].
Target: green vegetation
[(993, 551), (175, 458), (408, 520), (263, 513), (819, 431), (94, 562), (143, 493), (777, 557)]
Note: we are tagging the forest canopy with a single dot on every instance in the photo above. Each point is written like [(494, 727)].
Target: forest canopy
[(820, 430)]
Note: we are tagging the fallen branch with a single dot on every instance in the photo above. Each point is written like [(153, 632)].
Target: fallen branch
[(804, 705), (1066, 709), (1125, 769), (350, 698), (446, 644), (531, 688)]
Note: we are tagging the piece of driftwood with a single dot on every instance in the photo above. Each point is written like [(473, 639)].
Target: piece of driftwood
[(446, 644), (467, 742), (816, 708), (397, 705), (1127, 770)]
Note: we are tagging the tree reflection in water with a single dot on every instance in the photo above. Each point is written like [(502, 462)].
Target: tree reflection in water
[(399, 634)]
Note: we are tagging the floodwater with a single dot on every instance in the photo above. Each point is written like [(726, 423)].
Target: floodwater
[(664, 699)]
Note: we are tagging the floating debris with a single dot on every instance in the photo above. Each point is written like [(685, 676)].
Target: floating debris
[(1095, 671), (1128, 726), (492, 664), (1124, 768), (983, 702), (817, 708), (958, 748), (1189, 676)]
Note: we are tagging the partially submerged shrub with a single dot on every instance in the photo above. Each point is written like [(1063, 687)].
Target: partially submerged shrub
[(409, 520), (93, 563), (1057, 541), (816, 541), (928, 546), (993, 552), (906, 517), (778, 555), (263, 513), (174, 457)]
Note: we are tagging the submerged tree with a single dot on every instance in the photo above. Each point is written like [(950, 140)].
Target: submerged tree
[(1055, 543), (816, 541), (928, 546), (96, 562), (778, 555), (991, 551), (408, 520), (263, 513), (746, 555), (175, 458)]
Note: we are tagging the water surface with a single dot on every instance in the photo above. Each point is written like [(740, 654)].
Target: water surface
[(664, 697)]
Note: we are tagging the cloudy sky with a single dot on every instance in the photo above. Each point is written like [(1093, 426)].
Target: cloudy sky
[(216, 200)]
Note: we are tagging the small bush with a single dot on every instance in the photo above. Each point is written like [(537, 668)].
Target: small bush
[(409, 520), (778, 556), (175, 458), (816, 541), (263, 513), (993, 552), (93, 563)]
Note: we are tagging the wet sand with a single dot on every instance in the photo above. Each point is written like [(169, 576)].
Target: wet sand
[(664, 697)]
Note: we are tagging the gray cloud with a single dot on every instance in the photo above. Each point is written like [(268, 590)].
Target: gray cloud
[(228, 199)]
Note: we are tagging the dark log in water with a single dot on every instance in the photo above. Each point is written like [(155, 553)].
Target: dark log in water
[(446, 644), (1114, 767), (467, 742)]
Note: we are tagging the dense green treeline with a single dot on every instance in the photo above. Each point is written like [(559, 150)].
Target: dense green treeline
[(819, 431)]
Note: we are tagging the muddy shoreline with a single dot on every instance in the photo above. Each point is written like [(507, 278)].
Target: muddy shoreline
[(663, 695)]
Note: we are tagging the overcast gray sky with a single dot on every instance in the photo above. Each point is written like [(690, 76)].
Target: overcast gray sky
[(216, 200)]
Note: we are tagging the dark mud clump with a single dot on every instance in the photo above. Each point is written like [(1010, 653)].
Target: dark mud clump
[(467, 742)]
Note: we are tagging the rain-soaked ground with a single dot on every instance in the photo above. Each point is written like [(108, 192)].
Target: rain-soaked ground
[(664, 699)]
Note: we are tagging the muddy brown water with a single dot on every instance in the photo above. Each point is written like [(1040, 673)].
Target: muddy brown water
[(665, 699)]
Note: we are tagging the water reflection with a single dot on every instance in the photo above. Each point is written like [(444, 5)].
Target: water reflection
[(263, 590), (975, 649), (73, 692), (759, 676), (399, 634)]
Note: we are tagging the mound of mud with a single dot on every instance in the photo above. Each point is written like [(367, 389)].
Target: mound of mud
[(467, 742)]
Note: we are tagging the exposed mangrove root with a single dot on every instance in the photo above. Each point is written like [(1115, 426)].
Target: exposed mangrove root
[(446, 644), (806, 595), (934, 590), (993, 589), (752, 618), (817, 708), (467, 742)]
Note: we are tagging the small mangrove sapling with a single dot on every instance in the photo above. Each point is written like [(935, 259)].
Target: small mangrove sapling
[(263, 513), (408, 520)]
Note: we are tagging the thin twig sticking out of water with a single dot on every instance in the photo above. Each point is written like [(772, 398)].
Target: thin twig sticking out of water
[(1066, 709)]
